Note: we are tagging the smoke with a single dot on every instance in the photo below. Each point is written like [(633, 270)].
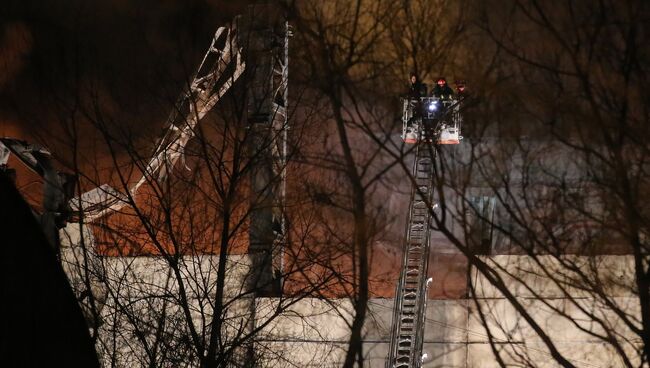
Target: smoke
[(16, 43), (15, 46)]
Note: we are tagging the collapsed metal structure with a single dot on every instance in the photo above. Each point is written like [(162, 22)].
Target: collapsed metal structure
[(255, 48)]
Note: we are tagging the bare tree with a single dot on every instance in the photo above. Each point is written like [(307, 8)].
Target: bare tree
[(557, 175), (550, 181), (166, 277), (351, 51)]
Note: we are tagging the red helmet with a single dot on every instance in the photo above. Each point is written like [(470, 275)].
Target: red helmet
[(441, 81)]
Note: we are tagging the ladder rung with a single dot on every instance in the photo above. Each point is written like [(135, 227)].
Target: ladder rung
[(409, 302)]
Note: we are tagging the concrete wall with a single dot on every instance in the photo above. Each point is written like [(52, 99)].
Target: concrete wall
[(321, 340), (576, 300), (313, 332), (136, 297), (455, 336)]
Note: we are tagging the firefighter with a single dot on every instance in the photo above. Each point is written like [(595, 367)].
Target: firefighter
[(460, 87), (417, 88), (442, 89), (416, 91)]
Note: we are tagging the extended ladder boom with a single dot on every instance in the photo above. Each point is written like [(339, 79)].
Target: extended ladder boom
[(411, 294)]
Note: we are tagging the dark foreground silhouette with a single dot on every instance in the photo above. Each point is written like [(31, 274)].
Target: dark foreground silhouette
[(41, 322)]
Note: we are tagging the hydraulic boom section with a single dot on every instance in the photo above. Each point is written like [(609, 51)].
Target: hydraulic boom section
[(58, 187)]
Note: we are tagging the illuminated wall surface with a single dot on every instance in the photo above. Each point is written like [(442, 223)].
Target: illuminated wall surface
[(313, 332)]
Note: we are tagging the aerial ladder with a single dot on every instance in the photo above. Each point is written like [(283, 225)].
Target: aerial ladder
[(437, 123)]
